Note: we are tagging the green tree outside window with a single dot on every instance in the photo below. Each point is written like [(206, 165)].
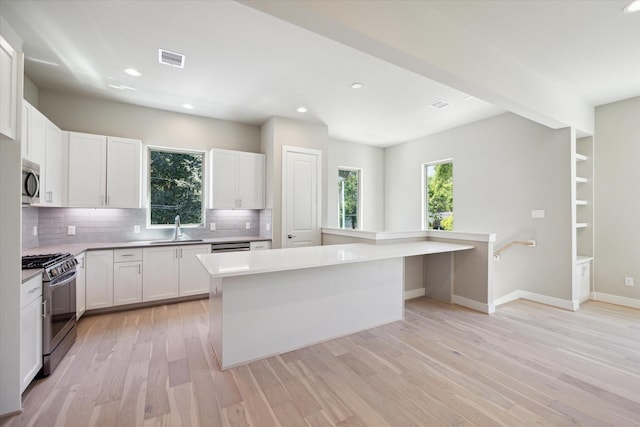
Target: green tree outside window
[(175, 182), (440, 196), (348, 191)]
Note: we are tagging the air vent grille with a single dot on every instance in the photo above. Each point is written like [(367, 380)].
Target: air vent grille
[(439, 105), (171, 58)]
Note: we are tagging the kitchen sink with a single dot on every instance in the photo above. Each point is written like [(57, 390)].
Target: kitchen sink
[(164, 242)]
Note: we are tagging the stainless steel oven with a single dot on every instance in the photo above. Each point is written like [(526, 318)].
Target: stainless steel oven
[(58, 305)]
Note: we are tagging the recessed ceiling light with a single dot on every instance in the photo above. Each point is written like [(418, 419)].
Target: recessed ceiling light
[(302, 110), (132, 72), (356, 85), (188, 106), (439, 105), (631, 7)]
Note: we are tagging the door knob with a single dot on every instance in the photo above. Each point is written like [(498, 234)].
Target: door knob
[(291, 236)]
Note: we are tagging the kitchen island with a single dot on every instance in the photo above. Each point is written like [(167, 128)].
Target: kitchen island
[(270, 302)]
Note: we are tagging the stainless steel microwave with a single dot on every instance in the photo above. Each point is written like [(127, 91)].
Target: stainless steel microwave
[(30, 182)]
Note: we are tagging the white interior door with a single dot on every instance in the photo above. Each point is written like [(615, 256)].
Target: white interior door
[(301, 203)]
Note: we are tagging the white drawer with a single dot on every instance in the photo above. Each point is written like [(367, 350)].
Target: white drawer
[(124, 255), (30, 291), (258, 246)]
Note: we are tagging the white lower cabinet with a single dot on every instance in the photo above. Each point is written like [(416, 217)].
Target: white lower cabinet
[(173, 271), (99, 274), (260, 245), (194, 278), (127, 276), (81, 285), (30, 330)]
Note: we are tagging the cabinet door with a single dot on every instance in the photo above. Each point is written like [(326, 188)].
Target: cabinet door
[(123, 172), (99, 279), (250, 180), (194, 279), (81, 285), (52, 192), (37, 142), (30, 341), (127, 282), (87, 170), (25, 130), (9, 89), (160, 273), (223, 179)]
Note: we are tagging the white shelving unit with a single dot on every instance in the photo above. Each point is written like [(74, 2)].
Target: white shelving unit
[(583, 218)]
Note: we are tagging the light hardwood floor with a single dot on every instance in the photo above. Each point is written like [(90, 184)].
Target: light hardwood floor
[(528, 364)]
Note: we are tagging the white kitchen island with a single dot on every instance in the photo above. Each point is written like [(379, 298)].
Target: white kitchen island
[(265, 303)]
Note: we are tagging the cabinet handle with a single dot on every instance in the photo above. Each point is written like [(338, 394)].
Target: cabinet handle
[(127, 255), (180, 252), (139, 269), (44, 309), (49, 196), (32, 290)]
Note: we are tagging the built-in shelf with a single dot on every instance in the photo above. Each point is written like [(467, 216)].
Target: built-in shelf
[(581, 202), (581, 225), (581, 157), (581, 180)]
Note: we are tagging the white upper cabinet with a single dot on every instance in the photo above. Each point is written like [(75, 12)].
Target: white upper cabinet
[(87, 170), (42, 143), (9, 88), (52, 192), (123, 172), (104, 171), (237, 180)]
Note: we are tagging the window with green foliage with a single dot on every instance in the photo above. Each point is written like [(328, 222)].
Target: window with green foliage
[(349, 198), (438, 205), (175, 187)]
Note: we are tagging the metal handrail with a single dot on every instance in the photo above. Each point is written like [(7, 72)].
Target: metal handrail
[(531, 243)]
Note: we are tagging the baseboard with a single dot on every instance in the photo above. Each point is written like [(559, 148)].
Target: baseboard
[(472, 304), (615, 299), (542, 299), (414, 293)]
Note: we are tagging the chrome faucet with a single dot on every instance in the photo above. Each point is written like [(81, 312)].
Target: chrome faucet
[(177, 232)]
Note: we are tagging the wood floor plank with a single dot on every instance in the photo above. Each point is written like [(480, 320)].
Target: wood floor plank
[(526, 365)]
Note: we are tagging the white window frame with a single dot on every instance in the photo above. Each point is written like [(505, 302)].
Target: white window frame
[(425, 190), (205, 177), (360, 181)]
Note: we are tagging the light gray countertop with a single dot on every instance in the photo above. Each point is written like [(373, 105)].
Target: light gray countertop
[(77, 248)]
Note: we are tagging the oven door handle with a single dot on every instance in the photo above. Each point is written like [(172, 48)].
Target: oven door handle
[(63, 280)]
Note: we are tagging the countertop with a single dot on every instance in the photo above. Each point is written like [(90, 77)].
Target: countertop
[(254, 262), (77, 248)]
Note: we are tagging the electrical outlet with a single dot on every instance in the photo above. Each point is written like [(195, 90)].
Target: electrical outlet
[(628, 281), (268, 227), (71, 230), (538, 213), (247, 226), (136, 229), (212, 226), (35, 230)]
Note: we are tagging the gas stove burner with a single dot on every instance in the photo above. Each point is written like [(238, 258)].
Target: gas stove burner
[(42, 261), (53, 264)]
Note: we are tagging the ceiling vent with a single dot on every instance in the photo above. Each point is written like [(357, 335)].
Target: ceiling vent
[(174, 59), (439, 105)]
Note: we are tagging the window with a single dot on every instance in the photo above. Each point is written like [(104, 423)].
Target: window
[(349, 198), (175, 186), (438, 195)]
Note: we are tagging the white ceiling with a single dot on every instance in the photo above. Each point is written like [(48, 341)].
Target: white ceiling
[(246, 66)]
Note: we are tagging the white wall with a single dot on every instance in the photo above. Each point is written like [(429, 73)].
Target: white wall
[(503, 167), (617, 198), (155, 127), (279, 131), (10, 244), (371, 161)]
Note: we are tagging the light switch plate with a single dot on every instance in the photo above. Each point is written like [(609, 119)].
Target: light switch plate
[(35, 230), (212, 226), (71, 230), (268, 227), (247, 226), (136, 229), (538, 213), (628, 281)]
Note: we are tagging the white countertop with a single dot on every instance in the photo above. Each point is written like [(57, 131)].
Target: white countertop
[(407, 234), (78, 248), (254, 262)]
